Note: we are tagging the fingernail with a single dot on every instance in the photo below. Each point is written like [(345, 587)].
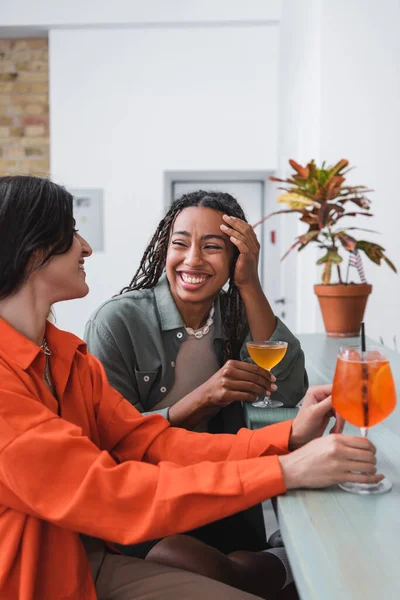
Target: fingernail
[(274, 387), (273, 378)]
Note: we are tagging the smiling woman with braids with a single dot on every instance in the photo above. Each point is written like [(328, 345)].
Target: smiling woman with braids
[(174, 311), (173, 341)]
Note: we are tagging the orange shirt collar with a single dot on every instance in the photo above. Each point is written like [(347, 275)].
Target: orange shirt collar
[(23, 351)]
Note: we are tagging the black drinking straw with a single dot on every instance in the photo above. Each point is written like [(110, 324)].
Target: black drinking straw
[(364, 387), (362, 333)]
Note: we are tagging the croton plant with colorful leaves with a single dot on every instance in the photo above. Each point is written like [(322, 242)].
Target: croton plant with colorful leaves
[(322, 200)]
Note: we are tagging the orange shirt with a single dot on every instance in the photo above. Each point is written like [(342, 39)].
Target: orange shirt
[(103, 469)]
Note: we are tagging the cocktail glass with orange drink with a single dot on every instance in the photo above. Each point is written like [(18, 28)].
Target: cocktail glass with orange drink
[(364, 394), (267, 355)]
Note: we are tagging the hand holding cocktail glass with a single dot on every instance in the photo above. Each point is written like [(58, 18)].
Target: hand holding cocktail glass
[(364, 394), (317, 462)]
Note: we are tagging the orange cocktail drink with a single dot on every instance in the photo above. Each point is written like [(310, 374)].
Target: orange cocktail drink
[(267, 357), (267, 354), (364, 392)]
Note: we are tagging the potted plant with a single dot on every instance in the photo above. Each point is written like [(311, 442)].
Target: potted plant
[(321, 199)]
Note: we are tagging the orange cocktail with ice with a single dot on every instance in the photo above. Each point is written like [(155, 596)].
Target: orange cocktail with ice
[(364, 394)]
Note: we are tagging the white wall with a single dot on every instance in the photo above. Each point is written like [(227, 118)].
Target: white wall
[(128, 104), (299, 139), (360, 120)]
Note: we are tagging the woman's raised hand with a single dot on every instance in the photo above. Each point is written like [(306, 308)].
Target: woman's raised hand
[(313, 416), (243, 237), (237, 381)]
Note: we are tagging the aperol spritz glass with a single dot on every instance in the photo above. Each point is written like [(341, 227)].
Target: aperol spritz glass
[(364, 394)]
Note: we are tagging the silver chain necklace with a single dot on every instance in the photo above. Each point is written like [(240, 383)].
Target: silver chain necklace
[(45, 347), (199, 333)]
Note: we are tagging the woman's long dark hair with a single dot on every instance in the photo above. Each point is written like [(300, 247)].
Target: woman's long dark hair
[(36, 223), (154, 259)]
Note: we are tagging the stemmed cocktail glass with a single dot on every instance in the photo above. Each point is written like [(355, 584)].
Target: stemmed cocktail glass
[(364, 394), (267, 355)]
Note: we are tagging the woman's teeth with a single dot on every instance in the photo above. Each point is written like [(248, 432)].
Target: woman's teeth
[(189, 279)]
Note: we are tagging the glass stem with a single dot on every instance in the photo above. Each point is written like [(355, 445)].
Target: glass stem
[(364, 432)]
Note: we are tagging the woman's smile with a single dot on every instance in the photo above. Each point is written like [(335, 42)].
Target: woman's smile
[(82, 266), (192, 279)]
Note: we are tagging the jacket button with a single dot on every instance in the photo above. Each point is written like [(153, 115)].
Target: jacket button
[(146, 378), (179, 335), (172, 363), (163, 389)]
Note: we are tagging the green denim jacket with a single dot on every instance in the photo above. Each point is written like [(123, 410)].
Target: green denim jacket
[(137, 337)]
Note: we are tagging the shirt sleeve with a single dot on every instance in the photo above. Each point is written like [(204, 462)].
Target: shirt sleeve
[(291, 374), (102, 344), (49, 470), (129, 436)]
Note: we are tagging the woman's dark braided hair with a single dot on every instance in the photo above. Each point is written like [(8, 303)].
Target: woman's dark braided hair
[(154, 258)]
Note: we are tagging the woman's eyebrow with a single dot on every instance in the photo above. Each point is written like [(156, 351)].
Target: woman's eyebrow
[(186, 233), (207, 236), (210, 236)]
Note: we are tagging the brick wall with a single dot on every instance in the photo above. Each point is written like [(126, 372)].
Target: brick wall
[(24, 107)]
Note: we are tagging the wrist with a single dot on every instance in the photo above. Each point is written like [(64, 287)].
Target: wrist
[(288, 473), (204, 396), (295, 439), (190, 410), (250, 287)]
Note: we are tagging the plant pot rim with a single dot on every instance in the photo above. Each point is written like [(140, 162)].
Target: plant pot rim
[(341, 284), (343, 289)]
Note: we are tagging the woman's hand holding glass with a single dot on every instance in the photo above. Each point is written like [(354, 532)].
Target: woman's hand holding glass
[(318, 462), (331, 460), (237, 381)]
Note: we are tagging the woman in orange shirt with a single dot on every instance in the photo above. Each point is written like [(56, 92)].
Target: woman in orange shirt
[(76, 458)]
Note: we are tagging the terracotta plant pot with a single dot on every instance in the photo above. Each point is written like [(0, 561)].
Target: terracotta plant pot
[(343, 307)]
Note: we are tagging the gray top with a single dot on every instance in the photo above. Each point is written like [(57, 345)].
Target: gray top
[(193, 351), (137, 337)]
